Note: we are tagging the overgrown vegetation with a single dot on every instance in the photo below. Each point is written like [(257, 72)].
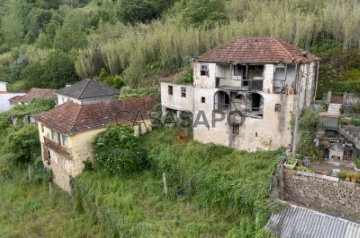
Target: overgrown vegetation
[(141, 41), (307, 132), (212, 191), (118, 151)]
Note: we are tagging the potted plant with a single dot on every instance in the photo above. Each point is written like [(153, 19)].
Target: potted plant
[(347, 177), (357, 164), (341, 175), (290, 163), (353, 177)]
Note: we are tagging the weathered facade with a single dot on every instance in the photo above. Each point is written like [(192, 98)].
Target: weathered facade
[(67, 132), (264, 78)]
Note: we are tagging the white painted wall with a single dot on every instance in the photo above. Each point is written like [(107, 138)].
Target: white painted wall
[(4, 100), (3, 87), (175, 101)]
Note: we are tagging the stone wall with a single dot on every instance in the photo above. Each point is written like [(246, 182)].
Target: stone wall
[(322, 193)]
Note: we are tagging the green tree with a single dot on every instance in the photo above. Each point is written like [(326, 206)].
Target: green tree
[(133, 11), (22, 144), (66, 40), (57, 70), (12, 25), (36, 20), (118, 151), (204, 12)]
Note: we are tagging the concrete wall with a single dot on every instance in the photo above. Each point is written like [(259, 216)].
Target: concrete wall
[(267, 133), (324, 193), (62, 99), (204, 81), (3, 87), (176, 101)]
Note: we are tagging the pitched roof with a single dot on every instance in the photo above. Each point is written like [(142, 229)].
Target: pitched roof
[(72, 118), (294, 221), (254, 50), (35, 93), (88, 88)]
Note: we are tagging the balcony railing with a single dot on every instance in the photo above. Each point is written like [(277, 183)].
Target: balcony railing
[(57, 147)]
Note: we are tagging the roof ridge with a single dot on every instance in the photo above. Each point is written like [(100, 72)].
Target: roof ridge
[(77, 116), (282, 46), (84, 89)]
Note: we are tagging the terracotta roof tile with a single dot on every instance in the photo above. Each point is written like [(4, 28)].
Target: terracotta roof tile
[(88, 88), (35, 93), (257, 50), (72, 118)]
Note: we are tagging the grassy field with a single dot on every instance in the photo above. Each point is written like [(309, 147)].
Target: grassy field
[(27, 211), (213, 191)]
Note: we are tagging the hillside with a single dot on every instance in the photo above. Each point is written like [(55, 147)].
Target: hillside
[(50, 43), (212, 191)]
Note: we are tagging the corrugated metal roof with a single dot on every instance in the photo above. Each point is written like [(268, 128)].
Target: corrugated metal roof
[(298, 222)]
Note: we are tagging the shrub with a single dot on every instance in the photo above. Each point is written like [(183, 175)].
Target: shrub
[(118, 151), (357, 162), (22, 143)]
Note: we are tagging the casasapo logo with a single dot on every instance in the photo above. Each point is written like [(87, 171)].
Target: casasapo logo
[(183, 119)]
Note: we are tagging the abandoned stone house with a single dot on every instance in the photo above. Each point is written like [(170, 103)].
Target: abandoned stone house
[(67, 131), (265, 78)]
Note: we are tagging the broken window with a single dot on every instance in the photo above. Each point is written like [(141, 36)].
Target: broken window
[(257, 103), (255, 72), (222, 101), (279, 78), (277, 107), (237, 70), (204, 70), (183, 92), (170, 90)]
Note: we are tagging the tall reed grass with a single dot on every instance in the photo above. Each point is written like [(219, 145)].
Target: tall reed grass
[(164, 46)]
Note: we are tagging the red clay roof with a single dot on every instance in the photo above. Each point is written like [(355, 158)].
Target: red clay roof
[(254, 50), (72, 118), (35, 93)]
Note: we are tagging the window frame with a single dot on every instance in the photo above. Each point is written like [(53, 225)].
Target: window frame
[(170, 90), (183, 92), (204, 70), (64, 139)]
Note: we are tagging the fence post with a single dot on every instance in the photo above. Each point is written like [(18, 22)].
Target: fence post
[(165, 184)]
